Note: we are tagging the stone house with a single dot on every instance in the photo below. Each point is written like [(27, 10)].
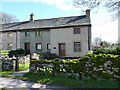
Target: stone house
[(64, 36)]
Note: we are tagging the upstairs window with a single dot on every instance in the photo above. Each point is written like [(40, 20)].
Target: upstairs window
[(77, 46), (76, 30), (38, 33), (27, 33), (9, 34)]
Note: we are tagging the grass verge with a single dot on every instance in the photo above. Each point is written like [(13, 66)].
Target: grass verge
[(70, 82)]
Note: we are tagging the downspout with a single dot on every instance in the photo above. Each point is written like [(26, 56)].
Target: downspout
[(89, 38), (16, 39)]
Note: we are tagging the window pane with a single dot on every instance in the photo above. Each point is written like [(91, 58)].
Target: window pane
[(38, 33), (27, 33), (9, 34), (48, 46), (38, 46), (77, 46), (62, 47), (76, 30)]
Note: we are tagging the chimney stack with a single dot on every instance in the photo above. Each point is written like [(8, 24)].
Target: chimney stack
[(88, 12), (32, 17)]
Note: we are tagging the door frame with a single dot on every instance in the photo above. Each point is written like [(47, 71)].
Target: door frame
[(62, 51)]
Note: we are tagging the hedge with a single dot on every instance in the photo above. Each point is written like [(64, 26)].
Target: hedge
[(16, 52), (107, 51)]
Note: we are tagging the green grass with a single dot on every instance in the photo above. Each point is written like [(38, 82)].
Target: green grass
[(6, 73), (24, 66), (70, 82)]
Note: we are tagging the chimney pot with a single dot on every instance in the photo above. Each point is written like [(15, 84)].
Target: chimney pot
[(88, 12), (32, 17)]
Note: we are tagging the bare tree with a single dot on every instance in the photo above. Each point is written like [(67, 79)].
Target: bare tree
[(111, 5), (97, 41), (6, 18)]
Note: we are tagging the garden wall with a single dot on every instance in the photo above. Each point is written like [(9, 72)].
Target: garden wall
[(9, 63), (104, 66)]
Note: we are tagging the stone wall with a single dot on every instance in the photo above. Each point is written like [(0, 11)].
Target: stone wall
[(100, 66), (8, 64)]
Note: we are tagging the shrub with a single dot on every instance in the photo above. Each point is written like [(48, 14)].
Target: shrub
[(118, 50), (48, 55), (16, 52), (106, 51)]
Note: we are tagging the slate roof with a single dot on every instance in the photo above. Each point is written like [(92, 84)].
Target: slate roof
[(48, 23)]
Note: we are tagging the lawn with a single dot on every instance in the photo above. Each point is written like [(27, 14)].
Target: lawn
[(70, 82)]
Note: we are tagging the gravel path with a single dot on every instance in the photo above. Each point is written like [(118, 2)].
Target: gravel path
[(15, 83)]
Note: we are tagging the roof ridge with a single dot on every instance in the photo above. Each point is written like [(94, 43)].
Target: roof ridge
[(43, 19), (59, 17)]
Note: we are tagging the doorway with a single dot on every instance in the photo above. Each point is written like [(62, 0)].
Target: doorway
[(61, 49), (27, 48)]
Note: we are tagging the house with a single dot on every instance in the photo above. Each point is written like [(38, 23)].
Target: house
[(64, 36)]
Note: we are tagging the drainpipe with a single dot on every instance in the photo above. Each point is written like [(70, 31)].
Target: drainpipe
[(16, 39)]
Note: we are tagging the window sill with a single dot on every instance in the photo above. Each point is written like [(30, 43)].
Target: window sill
[(76, 51), (38, 36)]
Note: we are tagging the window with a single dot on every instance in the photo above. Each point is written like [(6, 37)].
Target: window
[(38, 33), (9, 34), (48, 46), (38, 46), (27, 33), (62, 46), (76, 30), (9, 46), (77, 46)]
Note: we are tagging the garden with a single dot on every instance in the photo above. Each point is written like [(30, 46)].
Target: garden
[(9, 65), (99, 69)]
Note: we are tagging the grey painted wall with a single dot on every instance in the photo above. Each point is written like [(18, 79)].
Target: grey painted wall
[(11, 39), (52, 36), (44, 38), (67, 36), (1, 42)]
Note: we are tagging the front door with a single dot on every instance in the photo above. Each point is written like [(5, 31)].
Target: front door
[(27, 48), (61, 49)]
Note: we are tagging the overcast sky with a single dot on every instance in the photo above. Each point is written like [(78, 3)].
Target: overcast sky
[(102, 24)]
